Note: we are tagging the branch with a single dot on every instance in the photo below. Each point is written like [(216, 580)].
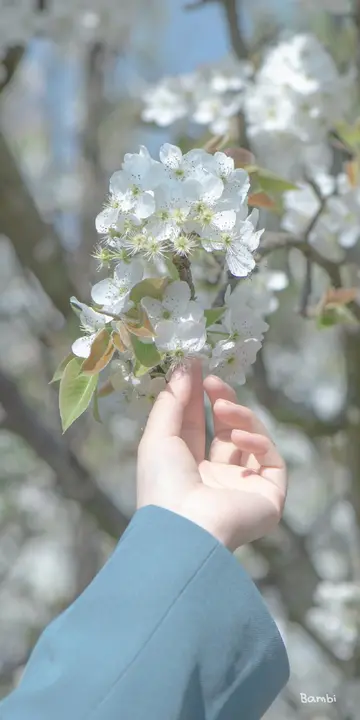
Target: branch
[(230, 8), (73, 480), (289, 560), (10, 63), (284, 241), (288, 411), (183, 267), (36, 243)]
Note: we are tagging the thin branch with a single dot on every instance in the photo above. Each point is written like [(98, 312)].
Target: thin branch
[(11, 62), (36, 243), (183, 267), (289, 560), (238, 43), (288, 411), (284, 241), (73, 479), (307, 290), (232, 17)]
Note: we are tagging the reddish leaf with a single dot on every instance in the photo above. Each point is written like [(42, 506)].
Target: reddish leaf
[(101, 353), (242, 157), (340, 296), (262, 200)]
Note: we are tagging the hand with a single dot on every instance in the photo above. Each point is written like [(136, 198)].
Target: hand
[(238, 494)]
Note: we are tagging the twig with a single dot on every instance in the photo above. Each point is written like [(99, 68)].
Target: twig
[(183, 267), (42, 252), (285, 241), (288, 411), (307, 289), (11, 62), (230, 7)]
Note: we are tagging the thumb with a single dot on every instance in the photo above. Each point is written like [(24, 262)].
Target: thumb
[(166, 417)]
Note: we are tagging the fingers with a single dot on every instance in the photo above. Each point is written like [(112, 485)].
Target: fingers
[(222, 449), (166, 417), (244, 423), (193, 424), (179, 411), (246, 432)]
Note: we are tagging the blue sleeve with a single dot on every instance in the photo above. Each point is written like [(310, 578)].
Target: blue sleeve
[(172, 628)]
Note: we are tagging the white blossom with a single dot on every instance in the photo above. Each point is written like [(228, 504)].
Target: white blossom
[(298, 95), (179, 203), (144, 396), (175, 305), (238, 242), (112, 294), (258, 292), (338, 225), (231, 360), (91, 322), (180, 339), (210, 96), (343, 213)]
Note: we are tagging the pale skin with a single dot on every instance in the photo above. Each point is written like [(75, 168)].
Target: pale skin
[(238, 493)]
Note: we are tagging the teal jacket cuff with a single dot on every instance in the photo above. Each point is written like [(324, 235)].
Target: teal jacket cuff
[(171, 628)]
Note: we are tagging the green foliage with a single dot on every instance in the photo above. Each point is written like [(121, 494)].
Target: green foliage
[(338, 315), (76, 392), (350, 135), (151, 287), (172, 269), (96, 412), (140, 370), (146, 354), (269, 181), (60, 368), (213, 315)]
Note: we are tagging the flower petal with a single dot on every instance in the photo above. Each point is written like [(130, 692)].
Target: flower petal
[(82, 346), (176, 296), (170, 155), (239, 260)]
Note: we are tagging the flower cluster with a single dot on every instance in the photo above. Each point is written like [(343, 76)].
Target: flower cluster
[(211, 96), (289, 104), (298, 95), (336, 615), (337, 227), (145, 317), (177, 205)]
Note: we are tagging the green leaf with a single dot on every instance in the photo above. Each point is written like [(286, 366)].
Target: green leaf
[(268, 181), (151, 287), (60, 368), (213, 315), (349, 134), (146, 353), (140, 370), (172, 269), (272, 183), (96, 412), (339, 315), (76, 391)]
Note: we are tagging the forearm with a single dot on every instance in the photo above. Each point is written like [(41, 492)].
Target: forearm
[(171, 628)]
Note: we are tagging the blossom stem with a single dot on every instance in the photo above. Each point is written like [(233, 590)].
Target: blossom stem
[(183, 267)]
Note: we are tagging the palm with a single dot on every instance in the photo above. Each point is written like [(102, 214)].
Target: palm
[(241, 485), (232, 478)]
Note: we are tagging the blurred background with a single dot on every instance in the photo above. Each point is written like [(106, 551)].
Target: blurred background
[(73, 78)]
